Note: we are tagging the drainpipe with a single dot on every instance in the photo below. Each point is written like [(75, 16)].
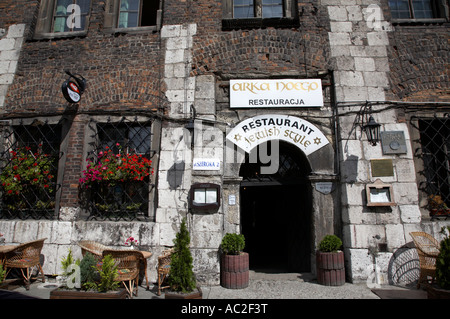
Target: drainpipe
[(333, 98)]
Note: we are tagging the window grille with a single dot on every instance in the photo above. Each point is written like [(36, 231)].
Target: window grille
[(29, 170), (117, 182), (434, 151)]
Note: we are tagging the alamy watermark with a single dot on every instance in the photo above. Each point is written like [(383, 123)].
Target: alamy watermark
[(373, 15), (208, 141), (74, 19)]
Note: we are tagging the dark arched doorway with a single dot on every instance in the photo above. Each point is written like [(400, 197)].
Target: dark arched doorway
[(276, 212)]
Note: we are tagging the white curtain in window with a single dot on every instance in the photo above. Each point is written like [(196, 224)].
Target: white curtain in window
[(61, 15), (128, 13)]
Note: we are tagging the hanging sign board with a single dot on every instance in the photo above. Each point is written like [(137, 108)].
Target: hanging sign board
[(276, 93), (71, 91), (73, 88), (259, 129)]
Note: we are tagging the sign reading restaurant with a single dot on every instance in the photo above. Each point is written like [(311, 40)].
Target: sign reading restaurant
[(262, 128), (276, 93)]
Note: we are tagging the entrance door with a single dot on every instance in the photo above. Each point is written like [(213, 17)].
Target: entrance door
[(276, 213)]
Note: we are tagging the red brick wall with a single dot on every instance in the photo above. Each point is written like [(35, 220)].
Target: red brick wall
[(419, 57), (123, 71)]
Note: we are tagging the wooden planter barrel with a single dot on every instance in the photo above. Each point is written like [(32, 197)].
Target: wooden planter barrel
[(234, 271), (330, 268)]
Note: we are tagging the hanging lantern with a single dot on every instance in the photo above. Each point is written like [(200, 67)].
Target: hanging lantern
[(372, 130)]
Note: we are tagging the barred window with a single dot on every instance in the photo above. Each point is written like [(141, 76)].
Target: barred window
[(29, 169), (435, 155), (117, 181)]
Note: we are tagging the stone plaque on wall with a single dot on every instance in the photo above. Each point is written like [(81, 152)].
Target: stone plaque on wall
[(324, 187), (382, 167), (393, 142)]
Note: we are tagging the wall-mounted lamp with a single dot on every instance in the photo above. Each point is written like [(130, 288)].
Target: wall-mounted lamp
[(372, 130)]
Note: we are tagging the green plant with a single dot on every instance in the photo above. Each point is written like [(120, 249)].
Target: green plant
[(443, 261), (330, 243), (28, 174), (108, 274), (112, 167), (88, 271), (27, 168), (66, 262), (2, 273), (182, 277), (233, 244)]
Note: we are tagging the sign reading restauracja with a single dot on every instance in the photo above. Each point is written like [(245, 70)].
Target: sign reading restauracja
[(276, 93), (262, 128)]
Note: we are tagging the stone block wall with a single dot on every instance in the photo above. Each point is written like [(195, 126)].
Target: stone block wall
[(11, 40), (187, 66)]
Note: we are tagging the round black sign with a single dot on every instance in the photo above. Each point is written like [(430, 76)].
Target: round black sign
[(71, 91)]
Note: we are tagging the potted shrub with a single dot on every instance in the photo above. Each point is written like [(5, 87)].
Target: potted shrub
[(94, 282), (181, 278), (234, 263), (441, 290), (2, 277), (330, 262)]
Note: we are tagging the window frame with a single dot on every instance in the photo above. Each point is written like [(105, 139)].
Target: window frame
[(45, 22), (55, 15), (425, 164), (440, 10), (41, 125), (112, 14), (290, 17), (94, 143)]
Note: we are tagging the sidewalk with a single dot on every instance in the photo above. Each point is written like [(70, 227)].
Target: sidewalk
[(262, 286)]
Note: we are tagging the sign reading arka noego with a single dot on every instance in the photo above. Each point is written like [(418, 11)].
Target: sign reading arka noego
[(276, 93)]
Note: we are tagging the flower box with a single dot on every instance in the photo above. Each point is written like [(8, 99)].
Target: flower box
[(60, 293)]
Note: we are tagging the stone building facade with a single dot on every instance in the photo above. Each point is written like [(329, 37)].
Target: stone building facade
[(163, 88)]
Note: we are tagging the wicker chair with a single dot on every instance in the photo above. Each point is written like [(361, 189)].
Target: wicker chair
[(25, 256), (164, 268), (428, 249), (127, 262), (93, 247)]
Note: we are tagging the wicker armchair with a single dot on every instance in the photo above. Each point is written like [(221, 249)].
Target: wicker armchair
[(428, 249), (128, 267), (164, 268), (25, 256), (93, 247)]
